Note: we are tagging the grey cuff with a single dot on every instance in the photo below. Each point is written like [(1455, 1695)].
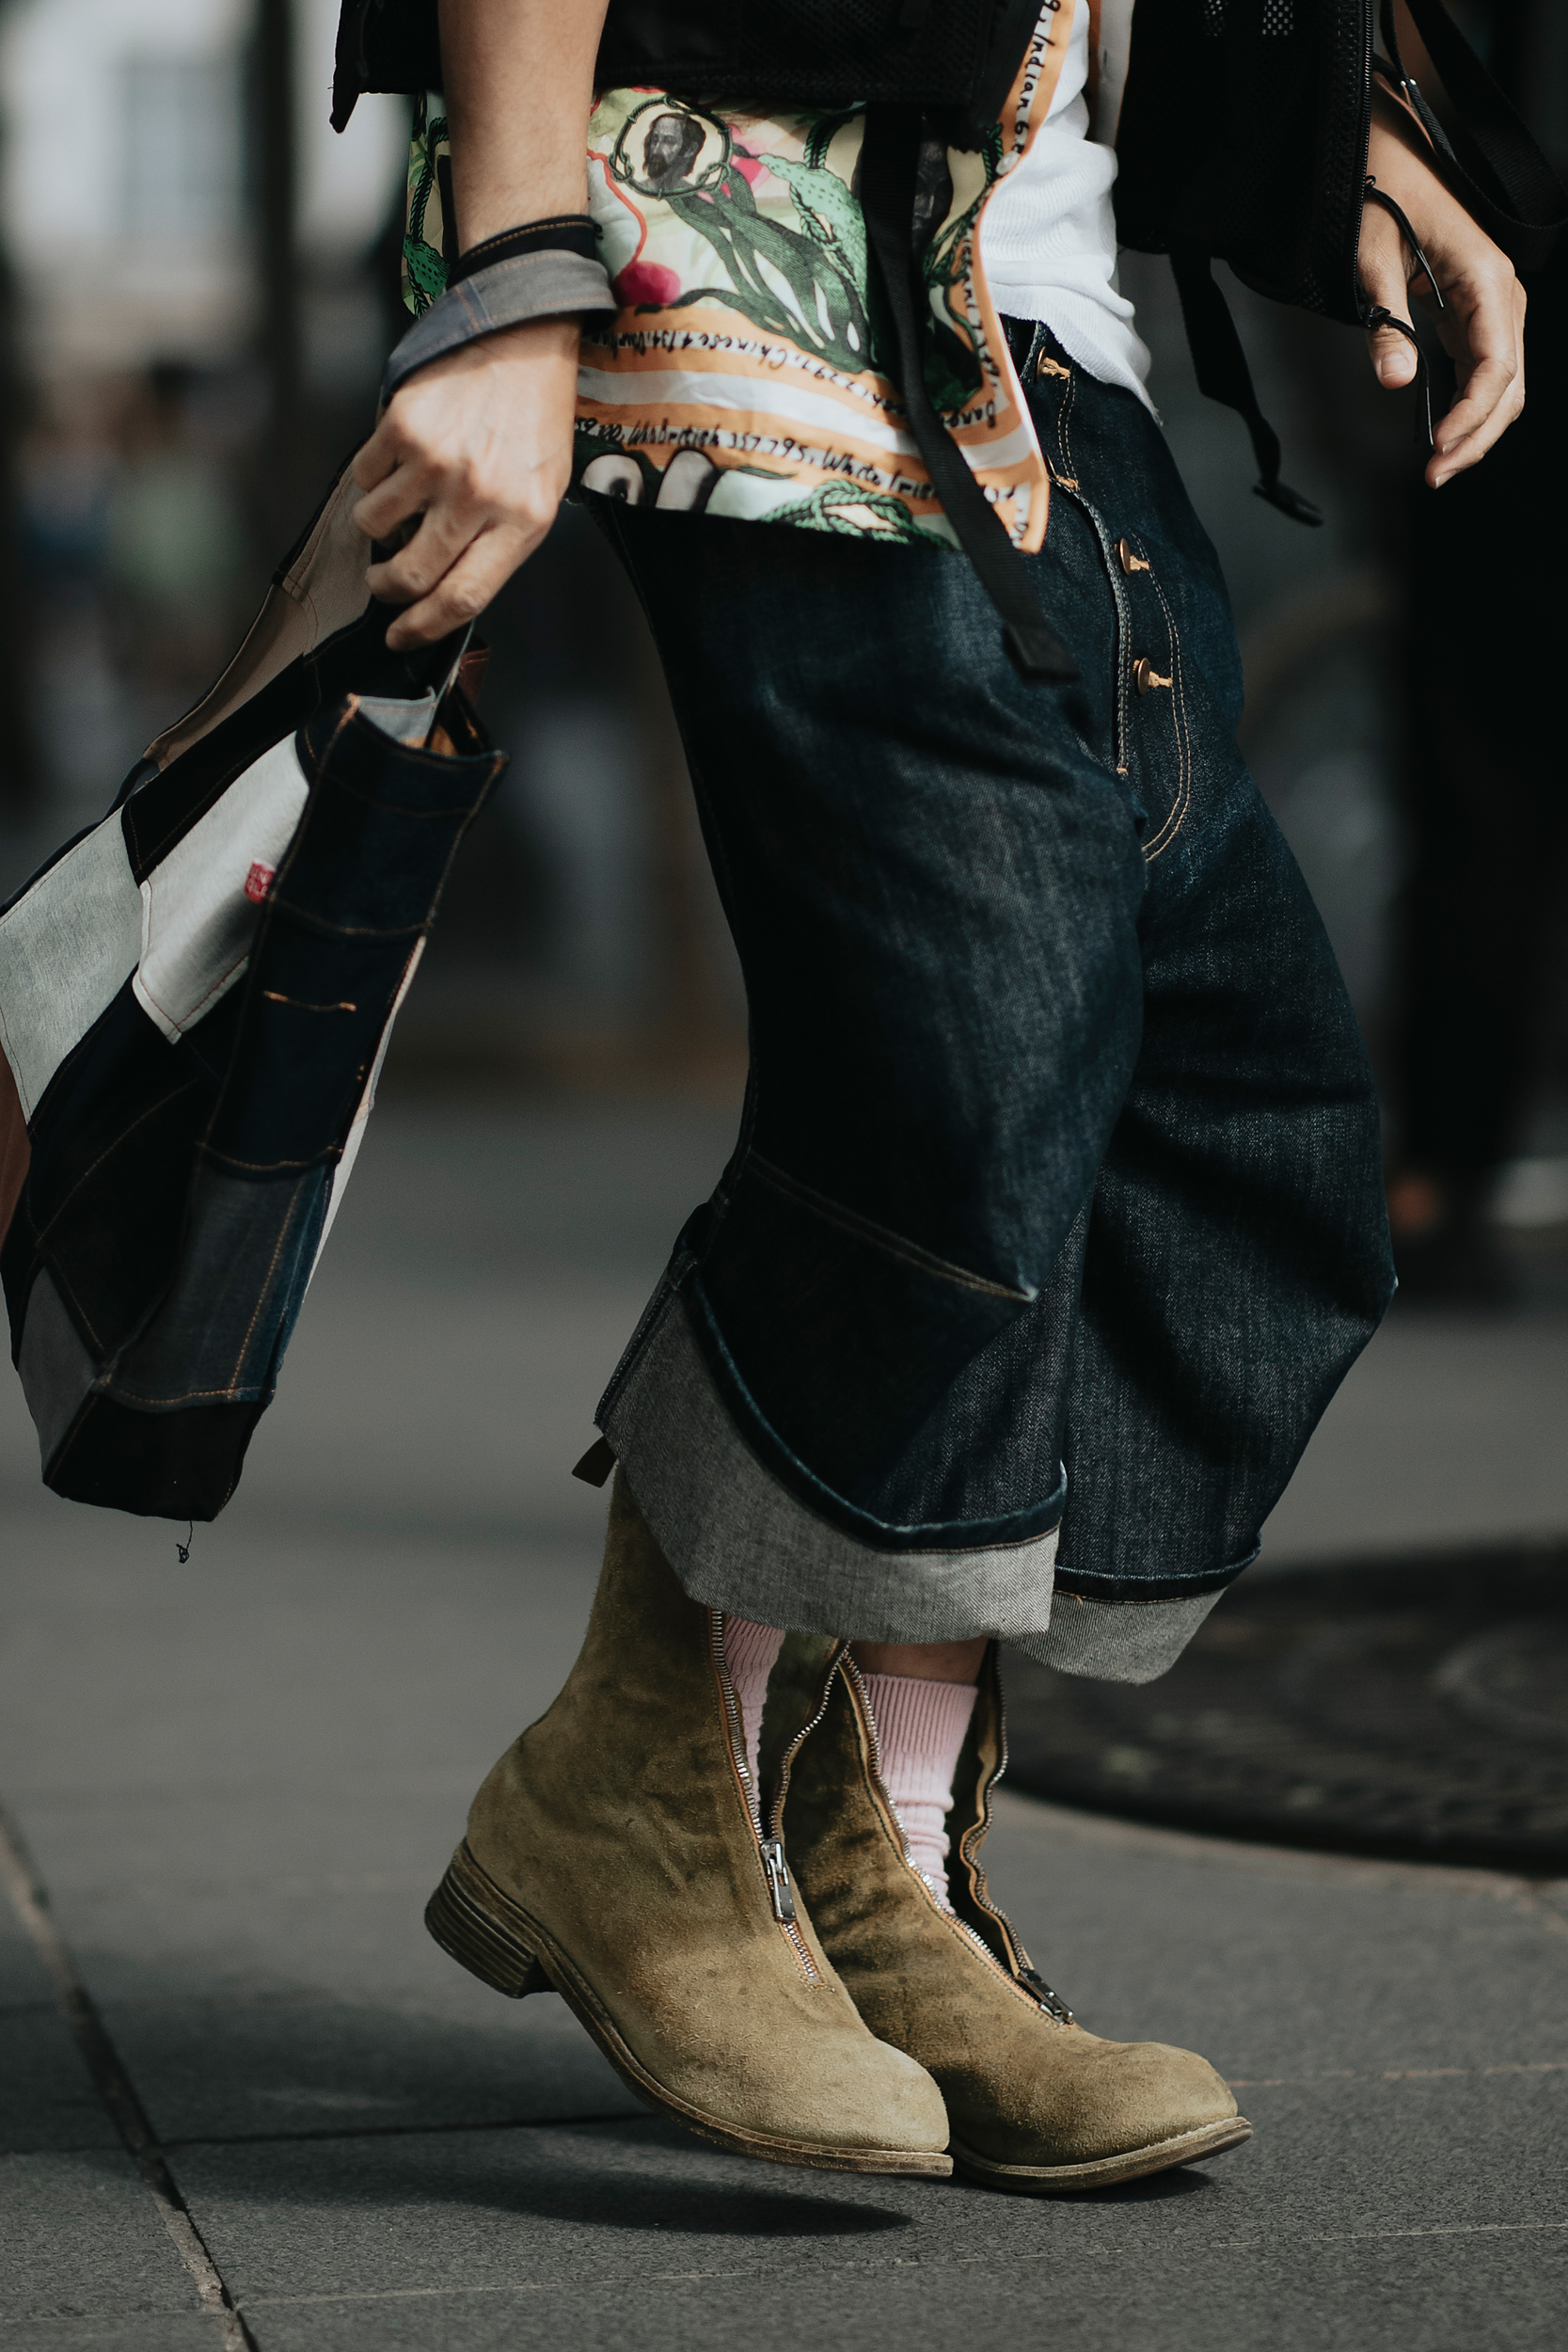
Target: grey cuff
[(1124, 1640), (738, 1540), (502, 294)]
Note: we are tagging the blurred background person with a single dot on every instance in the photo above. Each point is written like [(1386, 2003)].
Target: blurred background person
[(174, 547)]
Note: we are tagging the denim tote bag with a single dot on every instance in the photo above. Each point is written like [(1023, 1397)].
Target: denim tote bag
[(196, 998)]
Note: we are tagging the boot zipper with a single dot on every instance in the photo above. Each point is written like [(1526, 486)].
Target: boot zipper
[(1047, 1997), (776, 1823), (770, 1850), (1044, 1998), (778, 1880)]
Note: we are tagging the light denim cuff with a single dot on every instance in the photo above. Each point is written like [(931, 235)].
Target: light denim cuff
[(501, 294)]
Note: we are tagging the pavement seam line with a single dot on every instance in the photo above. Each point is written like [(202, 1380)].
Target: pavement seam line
[(30, 1900), (1397, 2074), (403, 2131), (569, 2279)]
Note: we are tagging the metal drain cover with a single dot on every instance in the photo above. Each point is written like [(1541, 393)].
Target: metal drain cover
[(1415, 1708)]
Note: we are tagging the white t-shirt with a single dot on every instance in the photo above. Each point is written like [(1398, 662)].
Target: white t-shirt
[(1048, 238)]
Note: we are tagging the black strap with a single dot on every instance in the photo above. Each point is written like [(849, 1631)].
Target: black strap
[(889, 161), (567, 232), (1488, 159), (1224, 376)]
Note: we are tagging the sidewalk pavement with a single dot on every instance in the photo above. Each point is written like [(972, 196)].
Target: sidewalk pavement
[(239, 1777)]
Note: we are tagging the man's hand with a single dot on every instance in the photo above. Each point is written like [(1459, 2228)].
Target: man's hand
[(1483, 324), (478, 446)]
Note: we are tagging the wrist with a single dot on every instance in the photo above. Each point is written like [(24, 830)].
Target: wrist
[(560, 232)]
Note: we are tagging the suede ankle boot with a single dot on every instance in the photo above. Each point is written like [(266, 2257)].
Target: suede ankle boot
[(619, 1853), (1034, 2102)]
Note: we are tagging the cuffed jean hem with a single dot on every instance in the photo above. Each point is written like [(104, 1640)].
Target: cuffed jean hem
[(738, 1539), (1118, 1640)]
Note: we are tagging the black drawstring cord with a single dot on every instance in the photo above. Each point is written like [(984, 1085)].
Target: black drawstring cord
[(1377, 316)]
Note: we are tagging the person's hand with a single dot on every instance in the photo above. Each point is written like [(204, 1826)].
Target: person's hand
[(479, 445), (1483, 323)]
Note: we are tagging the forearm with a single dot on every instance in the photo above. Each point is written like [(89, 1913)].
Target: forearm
[(519, 84)]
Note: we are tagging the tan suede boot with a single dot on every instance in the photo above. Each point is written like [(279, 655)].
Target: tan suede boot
[(618, 1854), (1036, 2103)]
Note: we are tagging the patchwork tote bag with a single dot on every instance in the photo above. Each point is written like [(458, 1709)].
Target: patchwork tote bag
[(196, 998)]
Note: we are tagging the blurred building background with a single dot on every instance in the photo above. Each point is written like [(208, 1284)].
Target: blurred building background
[(200, 285)]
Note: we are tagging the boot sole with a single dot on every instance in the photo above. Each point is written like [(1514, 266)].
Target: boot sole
[(482, 1927), (1060, 2180)]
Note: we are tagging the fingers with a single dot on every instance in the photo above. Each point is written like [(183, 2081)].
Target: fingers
[(378, 457), (443, 533), (1382, 263), (433, 574), (463, 589), (474, 454), (402, 486), (1488, 348)]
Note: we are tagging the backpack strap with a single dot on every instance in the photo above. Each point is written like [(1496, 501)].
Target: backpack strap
[(1223, 373), (1489, 160), (890, 159)]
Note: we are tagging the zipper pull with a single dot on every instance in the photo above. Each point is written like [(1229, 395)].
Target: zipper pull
[(778, 1879), (1052, 2002)]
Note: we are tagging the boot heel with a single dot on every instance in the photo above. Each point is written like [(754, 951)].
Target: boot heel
[(464, 1917)]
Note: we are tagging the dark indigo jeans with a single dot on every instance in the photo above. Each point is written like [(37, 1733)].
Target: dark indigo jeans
[(1057, 1196)]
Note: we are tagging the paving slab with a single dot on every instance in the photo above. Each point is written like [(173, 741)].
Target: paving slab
[(581, 2228), (1325, 2297), (46, 2099), (47, 2104), (83, 2241)]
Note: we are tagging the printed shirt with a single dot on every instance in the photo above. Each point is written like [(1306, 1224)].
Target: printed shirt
[(740, 373)]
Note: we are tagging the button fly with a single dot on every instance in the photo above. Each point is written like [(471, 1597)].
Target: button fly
[(1131, 562), (1146, 677)]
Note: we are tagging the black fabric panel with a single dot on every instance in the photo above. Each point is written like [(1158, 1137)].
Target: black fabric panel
[(353, 898), (355, 895), (314, 1010), (104, 1199), (1250, 144), (168, 1466), (373, 846)]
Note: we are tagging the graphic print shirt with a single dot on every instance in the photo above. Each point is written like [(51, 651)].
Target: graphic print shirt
[(740, 373)]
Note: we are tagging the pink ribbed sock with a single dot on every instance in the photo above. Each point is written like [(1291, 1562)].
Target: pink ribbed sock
[(920, 1732), (750, 1651)]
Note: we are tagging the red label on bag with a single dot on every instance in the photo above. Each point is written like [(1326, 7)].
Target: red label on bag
[(259, 882)]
